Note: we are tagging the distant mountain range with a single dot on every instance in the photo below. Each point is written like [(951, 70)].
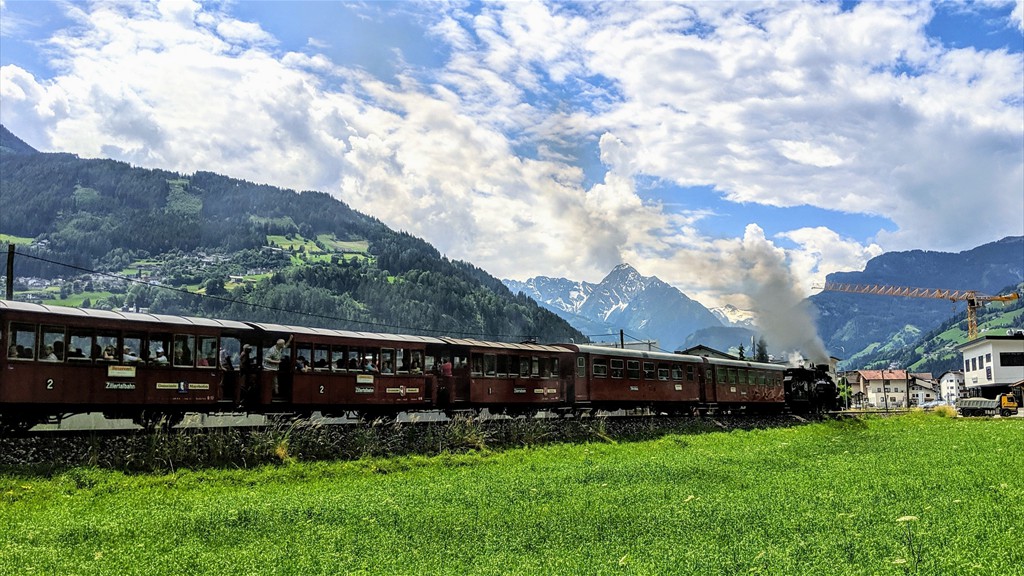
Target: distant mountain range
[(865, 330), (644, 307)]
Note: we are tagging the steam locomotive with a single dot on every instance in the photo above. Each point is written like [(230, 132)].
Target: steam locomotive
[(153, 368)]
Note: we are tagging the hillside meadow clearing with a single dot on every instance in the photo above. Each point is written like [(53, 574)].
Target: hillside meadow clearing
[(916, 494)]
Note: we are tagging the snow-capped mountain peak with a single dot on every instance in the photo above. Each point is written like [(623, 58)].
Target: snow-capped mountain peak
[(730, 315), (642, 306)]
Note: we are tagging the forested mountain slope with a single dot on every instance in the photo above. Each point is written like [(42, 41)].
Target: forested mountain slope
[(237, 240), (870, 329)]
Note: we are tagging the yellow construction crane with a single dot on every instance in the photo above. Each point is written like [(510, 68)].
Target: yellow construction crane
[(973, 299)]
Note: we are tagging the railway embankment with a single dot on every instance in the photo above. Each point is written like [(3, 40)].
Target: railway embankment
[(253, 446)]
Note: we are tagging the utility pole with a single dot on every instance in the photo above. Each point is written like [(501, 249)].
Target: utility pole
[(885, 391), (10, 271)]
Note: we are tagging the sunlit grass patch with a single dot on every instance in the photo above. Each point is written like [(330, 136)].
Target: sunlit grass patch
[(917, 494)]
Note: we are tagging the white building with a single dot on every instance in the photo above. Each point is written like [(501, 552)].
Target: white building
[(951, 385), (993, 363)]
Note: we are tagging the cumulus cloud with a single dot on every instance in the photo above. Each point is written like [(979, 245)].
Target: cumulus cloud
[(484, 156)]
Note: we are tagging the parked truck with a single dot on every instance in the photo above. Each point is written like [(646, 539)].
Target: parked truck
[(1004, 404)]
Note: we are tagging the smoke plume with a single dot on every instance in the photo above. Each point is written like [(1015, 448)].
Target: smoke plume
[(784, 315)]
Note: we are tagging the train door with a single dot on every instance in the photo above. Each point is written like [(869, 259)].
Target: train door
[(706, 376), (580, 390)]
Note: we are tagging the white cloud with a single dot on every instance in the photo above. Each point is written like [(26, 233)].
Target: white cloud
[(780, 104)]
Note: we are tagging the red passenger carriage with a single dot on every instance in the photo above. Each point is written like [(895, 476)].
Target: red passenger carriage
[(504, 377), (142, 366)]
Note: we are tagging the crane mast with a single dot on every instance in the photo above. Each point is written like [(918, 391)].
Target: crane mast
[(972, 297)]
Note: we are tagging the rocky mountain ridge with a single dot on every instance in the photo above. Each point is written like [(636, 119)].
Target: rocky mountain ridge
[(644, 307)]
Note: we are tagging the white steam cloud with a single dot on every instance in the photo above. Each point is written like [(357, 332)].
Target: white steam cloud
[(785, 317)]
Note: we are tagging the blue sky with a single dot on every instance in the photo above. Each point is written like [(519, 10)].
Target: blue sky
[(560, 139)]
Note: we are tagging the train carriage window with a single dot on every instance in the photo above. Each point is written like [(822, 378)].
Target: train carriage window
[(490, 365), (80, 344), (106, 348), (303, 353), (600, 368), (633, 369), (581, 367), (354, 361), (156, 352), (478, 365), (663, 371), (732, 375), (402, 360), (502, 366), (722, 375), (52, 344), (132, 348), (230, 353), (207, 356), (545, 367), (554, 367), (677, 372), (387, 361), (22, 341), (416, 364), (339, 357), (618, 369), (364, 359), (649, 370), (321, 357), (524, 366), (184, 350), (690, 376)]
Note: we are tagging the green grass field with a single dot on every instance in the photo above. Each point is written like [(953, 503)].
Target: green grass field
[(77, 299), (20, 240), (916, 494), (353, 246)]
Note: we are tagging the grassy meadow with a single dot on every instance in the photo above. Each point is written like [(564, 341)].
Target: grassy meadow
[(916, 494)]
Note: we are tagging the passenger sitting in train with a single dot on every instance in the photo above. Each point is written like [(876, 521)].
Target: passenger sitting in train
[(160, 359), (301, 364), (368, 365), (386, 369), (48, 355), (130, 356)]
